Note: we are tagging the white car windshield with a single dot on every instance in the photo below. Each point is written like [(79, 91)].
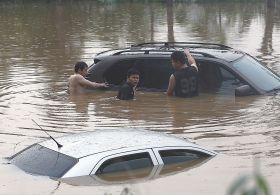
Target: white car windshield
[(258, 74)]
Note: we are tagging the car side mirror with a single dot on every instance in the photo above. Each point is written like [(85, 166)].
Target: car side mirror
[(244, 90)]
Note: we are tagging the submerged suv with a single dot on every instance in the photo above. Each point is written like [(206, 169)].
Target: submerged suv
[(222, 69)]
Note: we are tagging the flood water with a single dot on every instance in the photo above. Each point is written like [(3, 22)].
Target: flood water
[(42, 40)]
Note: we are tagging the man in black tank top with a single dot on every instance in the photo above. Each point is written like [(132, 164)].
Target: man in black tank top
[(127, 90), (184, 81)]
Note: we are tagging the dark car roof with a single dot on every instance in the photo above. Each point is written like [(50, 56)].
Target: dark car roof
[(156, 49)]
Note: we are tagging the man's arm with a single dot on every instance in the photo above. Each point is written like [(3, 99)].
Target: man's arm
[(191, 60), (171, 85), (88, 84)]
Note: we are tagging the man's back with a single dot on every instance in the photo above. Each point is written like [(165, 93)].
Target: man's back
[(186, 82)]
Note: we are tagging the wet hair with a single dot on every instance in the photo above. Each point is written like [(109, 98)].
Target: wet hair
[(80, 66), (179, 56), (132, 71)]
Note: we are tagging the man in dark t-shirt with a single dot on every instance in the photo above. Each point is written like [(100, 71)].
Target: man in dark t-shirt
[(127, 90), (184, 81)]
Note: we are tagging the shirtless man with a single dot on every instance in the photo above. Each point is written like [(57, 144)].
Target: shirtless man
[(184, 81), (77, 84)]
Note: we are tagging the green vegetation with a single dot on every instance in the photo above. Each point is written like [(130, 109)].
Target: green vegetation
[(250, 185)]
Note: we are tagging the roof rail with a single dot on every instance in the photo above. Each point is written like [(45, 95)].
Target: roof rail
[(144, 51), (147, 51), (111, 51), (168, 45)]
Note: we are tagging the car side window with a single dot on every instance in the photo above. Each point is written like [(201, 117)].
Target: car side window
[(180, 159), (226, 75), (214, 77), (154, 73), (116, 74), (180, 155), (126, 163)]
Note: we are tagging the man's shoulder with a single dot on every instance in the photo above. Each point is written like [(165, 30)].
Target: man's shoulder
[(186, 71), (76, 76)]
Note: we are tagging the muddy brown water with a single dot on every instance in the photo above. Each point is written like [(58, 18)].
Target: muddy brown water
[(40, 42)]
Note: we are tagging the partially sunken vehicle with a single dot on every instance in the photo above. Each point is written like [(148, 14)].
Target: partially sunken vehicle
[(104, 155), (222, 69)]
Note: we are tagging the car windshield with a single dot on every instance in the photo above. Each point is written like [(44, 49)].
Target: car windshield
[(40, 160), (260, 75)]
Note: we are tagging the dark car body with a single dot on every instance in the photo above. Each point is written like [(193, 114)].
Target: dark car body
[(222, 69)]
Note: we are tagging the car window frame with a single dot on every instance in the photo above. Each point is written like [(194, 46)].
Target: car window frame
[(158, 149), (107, 157)]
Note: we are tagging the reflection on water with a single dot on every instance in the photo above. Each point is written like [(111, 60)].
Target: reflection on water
[(42, 40)]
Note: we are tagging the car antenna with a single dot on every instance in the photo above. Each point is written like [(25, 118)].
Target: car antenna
[(58, 144)]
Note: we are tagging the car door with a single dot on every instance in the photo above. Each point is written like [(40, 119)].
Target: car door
[(218, 78), (125, 166)]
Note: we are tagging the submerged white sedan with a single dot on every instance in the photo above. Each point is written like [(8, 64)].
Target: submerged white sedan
[(107, 152)]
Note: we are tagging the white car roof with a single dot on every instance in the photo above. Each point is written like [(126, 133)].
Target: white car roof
[(83, 144)]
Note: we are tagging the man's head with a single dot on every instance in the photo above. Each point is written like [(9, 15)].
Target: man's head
[(81, 68), (178, 59), (133, 76)]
